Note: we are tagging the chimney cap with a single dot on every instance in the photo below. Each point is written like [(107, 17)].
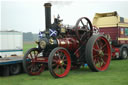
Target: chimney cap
[(47, 4)]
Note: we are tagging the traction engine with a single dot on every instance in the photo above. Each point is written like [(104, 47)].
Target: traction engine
[(62, 47)]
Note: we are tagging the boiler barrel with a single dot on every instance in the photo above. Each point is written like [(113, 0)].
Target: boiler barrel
[(70, 43)]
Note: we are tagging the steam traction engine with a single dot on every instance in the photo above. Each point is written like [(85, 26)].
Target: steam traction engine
[(61, 47)]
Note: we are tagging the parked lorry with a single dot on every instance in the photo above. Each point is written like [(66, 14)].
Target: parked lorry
[(116, 30), (11, 52)]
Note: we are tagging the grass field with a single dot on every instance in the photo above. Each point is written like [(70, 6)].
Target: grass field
[(28, 45), (117, 74)]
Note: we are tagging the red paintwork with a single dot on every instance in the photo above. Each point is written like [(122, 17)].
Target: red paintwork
[(117, 50), (71, 43), (112, 31), (115, 33), (101, 54), (42, 59)]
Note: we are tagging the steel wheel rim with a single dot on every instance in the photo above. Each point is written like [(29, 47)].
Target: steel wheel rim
[(60, 65), (32, 66), (101, 54)]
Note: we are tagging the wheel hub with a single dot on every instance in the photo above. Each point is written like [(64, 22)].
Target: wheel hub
[(101, 53), (125, 54), (61, 62)]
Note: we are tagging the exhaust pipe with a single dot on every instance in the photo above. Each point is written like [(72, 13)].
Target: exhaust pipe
[(47, 16)]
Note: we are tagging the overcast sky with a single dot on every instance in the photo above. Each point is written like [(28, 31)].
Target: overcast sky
[(28, 15)]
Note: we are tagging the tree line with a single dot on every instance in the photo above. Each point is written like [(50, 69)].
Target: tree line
[(29, 36)]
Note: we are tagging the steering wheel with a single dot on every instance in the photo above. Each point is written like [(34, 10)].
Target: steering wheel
[(83, 29)]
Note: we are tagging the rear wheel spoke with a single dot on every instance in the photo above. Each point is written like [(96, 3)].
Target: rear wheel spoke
[(97, 44), (54, 60), (102, 48), (103, 60), (62, 69), (95, 60), (64, 64), (65, 60), (100, 64), (97, 50), (63, 57)]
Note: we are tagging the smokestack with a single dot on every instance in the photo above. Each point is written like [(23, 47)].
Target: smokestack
[(47, 15)]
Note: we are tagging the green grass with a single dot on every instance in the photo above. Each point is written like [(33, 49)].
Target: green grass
[(28, 45), (117, 74)]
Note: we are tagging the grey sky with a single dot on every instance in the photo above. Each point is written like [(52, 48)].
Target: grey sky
[(28, 16)]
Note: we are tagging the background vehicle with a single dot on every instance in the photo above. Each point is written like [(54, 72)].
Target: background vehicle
[(11, 52), (116, 30)]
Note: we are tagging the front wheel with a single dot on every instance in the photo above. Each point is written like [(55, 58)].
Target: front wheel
[(98, 53), (30, 62), (59, 62)]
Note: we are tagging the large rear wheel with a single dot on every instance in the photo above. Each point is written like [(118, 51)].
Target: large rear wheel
[(30, 63), (98, 53), (59, 62)]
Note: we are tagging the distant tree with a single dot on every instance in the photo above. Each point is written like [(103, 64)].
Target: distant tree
[(28, 36), (35, 37)]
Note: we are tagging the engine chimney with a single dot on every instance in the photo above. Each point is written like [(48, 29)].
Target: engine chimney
[(47, 15)]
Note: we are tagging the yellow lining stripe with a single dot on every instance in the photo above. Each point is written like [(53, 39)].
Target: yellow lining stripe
[(122, 38)]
